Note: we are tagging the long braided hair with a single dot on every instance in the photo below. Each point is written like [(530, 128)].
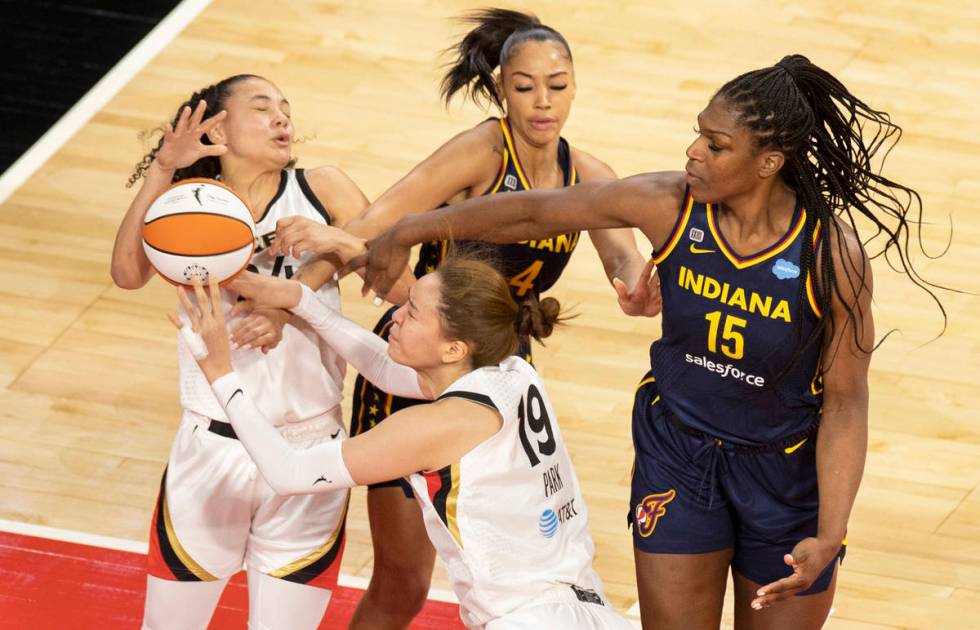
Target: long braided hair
[(488, 46), (829, 138), (215, 95)]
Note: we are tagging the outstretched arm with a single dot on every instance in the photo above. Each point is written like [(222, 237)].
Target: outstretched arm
[(649, 202)]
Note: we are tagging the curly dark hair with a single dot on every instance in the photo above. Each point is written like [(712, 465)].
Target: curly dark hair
[(216, 96)]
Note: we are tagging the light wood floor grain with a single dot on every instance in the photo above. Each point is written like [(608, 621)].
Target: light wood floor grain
[(88, 379)]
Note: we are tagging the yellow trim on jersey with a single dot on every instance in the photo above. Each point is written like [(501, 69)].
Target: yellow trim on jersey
[(451, 503), (182, 554), (675, 237), (655, 400), (505, 126), (753, 260), (811, 295), (789, 450), (645, 381), (571, 179), (503, 172), (316, 554)]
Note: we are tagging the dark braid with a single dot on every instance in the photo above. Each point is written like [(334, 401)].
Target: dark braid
[(216, 95), (829, 137), (489, 45)]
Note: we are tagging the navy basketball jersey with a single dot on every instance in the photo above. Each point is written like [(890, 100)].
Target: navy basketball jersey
[(730, 327), (530, 267)]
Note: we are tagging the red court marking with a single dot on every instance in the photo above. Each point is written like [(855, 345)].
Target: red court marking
[(48, 583)]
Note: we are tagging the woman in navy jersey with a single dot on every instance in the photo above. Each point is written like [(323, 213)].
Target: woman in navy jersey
[(758, 391), (521, 150)]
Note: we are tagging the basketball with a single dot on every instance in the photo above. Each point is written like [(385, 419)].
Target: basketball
[(198, 228)]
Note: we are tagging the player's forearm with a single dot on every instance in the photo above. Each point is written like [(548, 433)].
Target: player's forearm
[(842, 444), (501, 218), (288, 471), (130, 267), (364, 350)]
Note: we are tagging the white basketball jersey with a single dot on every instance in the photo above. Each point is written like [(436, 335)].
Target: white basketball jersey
[(508, 519), (300, 378)]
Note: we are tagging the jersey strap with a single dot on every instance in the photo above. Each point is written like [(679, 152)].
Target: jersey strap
[(482, 399)]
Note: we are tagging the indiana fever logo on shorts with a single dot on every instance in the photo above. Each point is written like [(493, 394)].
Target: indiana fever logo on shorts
[(650, 509)]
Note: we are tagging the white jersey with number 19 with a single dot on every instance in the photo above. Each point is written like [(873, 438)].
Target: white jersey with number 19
[(508, 519)]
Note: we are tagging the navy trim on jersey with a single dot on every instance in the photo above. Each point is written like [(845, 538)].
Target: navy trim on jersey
[(482, 399), (310, 195), (283, 178)]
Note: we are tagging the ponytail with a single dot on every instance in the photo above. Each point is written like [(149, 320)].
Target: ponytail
[(489, 45)]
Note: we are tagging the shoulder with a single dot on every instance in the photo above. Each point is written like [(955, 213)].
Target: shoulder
[(852, 267), (484, 135), (323, 179), (342, 198), (590, 167)]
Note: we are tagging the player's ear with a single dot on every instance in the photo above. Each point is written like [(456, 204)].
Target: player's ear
[(455, 351)]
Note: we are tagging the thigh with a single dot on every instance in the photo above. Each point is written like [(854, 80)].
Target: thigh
[(275, 604), (576, 615), (676, 506), (401, 544), (299, 538), (775, 499), (175, 605), (203, 513), (802, 612), (681, 591)]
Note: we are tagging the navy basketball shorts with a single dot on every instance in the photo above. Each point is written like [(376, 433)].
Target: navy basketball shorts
[(692, 493)]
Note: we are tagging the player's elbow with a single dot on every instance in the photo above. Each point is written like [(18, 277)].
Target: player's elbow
[(125, 278)]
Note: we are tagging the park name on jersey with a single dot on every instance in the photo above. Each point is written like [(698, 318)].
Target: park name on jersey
[(734, 296)]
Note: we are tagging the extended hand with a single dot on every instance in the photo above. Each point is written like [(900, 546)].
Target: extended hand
[(260, 329), (809, 558), (645, 298), (297, 235), (383, 263), (182, 144), (207, 320)]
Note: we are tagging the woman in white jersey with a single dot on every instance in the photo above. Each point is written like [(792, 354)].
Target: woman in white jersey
[(486, 460), (214, 511)]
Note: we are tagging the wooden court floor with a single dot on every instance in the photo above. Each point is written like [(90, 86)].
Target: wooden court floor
[(88, 378)]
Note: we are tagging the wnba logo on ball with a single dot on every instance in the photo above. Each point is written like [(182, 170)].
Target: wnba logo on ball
[(548, 523), (650, 509)]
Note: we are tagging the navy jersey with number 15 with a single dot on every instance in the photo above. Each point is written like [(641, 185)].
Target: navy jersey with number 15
[(730, 327)]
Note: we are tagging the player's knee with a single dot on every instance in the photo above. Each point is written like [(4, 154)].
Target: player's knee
[(400, 589)]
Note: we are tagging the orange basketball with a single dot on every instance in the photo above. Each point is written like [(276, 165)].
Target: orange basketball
[(199, 227)]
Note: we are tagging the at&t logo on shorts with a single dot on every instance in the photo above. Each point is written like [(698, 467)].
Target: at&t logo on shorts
[(650, 509)]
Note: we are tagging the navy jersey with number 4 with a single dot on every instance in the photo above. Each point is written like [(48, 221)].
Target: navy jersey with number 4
[(530, 267), (730, 326)]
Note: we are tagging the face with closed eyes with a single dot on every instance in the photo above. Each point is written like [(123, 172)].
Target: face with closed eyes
[(538, 84), (258, 127), (417, 338), (723, 162)]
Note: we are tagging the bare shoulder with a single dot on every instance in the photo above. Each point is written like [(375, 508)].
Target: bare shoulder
[(852, 266), (590, 167), (342, 198), (650, 202)]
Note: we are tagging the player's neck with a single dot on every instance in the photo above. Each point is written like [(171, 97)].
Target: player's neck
[(540, 163), (763, 211), (256, 186), (435, 381)]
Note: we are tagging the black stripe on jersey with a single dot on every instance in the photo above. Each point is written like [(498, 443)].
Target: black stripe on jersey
[(283, 178), (181, 572), (310, 195), (482, 399), (313, 570)]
